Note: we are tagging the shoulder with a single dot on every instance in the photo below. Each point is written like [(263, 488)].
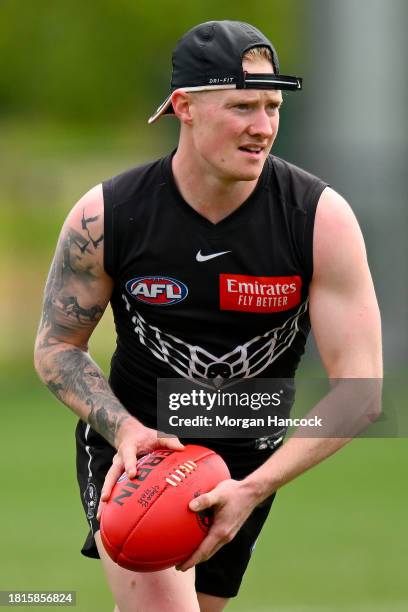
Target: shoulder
[(82, 235), (89, 205), (334, 212), (338, 241)]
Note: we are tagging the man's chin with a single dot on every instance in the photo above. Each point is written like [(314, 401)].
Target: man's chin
[(251, 171), (243, 172), (248, 175)]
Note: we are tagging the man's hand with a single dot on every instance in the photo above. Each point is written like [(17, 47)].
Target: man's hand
[(233, 502), (132, 440)]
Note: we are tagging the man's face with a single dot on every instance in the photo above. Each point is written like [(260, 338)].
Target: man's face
[(233, 130)]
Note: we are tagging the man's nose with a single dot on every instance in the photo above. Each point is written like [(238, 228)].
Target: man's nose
[(261, 125)]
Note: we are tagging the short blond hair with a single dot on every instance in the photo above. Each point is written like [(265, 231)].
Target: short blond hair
[(258, 53)]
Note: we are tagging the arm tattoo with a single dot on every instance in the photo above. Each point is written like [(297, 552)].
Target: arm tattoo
[(73, 264), (71, 308), (68, 371), (76, 380), (85, 227)]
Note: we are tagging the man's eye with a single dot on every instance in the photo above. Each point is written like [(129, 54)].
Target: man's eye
[(271, 111), (242, 106)]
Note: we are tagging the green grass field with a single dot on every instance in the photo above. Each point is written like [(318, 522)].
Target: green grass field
[(336, 539)]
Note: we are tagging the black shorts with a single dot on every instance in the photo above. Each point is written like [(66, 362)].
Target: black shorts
[(222, 574)]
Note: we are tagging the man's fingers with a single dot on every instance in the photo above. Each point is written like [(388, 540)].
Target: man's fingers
[(126, 460), (128, 454), (170, 442), (112, 475), (100, 510), (213, 542), (197, 556), (218, 534)]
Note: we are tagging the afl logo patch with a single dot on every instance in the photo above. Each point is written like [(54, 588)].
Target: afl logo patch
[(157, 290)]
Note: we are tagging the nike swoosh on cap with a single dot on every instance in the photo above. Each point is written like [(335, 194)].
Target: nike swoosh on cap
[(200, 257)]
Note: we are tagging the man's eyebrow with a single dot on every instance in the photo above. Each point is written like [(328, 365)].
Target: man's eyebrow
[(276, 102), (252, 101)]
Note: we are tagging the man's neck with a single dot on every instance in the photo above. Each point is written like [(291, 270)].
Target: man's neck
[(210, 196)]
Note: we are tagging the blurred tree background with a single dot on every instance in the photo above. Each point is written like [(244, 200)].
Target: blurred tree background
[(77, 84), (78, 81), (108, 61)]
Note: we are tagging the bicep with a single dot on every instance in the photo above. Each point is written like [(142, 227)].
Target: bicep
[(343, 307), (78, 289)]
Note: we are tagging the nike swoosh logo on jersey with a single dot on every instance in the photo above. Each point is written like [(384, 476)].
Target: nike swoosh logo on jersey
[(200, 257)]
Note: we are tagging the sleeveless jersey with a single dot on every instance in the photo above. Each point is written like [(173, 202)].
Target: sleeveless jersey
[(200, 300)]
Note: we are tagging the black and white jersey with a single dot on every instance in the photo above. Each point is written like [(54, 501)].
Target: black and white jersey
[(200, 300)]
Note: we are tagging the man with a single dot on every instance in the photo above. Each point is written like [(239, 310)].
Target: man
[(218, 211)]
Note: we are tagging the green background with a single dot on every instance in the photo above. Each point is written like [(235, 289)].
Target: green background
[(335, 539), (77, 82)]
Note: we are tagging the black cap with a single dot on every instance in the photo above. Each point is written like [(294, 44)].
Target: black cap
[(210, 57)]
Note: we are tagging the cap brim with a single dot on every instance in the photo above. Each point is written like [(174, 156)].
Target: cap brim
[(164, 108)]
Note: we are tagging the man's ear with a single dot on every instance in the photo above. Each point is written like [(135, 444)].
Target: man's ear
[(181, 102)]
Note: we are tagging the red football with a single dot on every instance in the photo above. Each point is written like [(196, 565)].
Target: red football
[(147, 525)]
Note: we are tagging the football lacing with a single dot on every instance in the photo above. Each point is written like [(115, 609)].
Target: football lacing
[(181, 473)]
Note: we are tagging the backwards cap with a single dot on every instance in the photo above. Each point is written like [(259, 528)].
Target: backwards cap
[(209, 56)]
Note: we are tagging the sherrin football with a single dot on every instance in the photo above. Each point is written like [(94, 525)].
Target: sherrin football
[(147, 525)]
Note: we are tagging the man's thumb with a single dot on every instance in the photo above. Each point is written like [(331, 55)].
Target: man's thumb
[(200, 503)]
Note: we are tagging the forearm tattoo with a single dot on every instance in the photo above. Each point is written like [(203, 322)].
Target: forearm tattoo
[(74, 378), (68, 371)]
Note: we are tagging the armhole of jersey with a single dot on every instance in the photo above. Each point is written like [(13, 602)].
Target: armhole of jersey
[(311, 202), (108, 257)]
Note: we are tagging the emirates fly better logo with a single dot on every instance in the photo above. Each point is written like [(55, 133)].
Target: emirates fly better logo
[(157, 290), (259, 293)]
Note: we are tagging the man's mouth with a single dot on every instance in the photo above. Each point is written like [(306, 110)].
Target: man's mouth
[(254, 150)]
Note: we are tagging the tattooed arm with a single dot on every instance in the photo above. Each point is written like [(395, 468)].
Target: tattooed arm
[(76, 295)]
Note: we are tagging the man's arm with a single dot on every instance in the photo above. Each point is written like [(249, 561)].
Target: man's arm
[(347, 328), (76, 295), (343, 307), (346, 324)]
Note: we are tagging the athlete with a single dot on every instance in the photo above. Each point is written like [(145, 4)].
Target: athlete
[(216, 260)]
